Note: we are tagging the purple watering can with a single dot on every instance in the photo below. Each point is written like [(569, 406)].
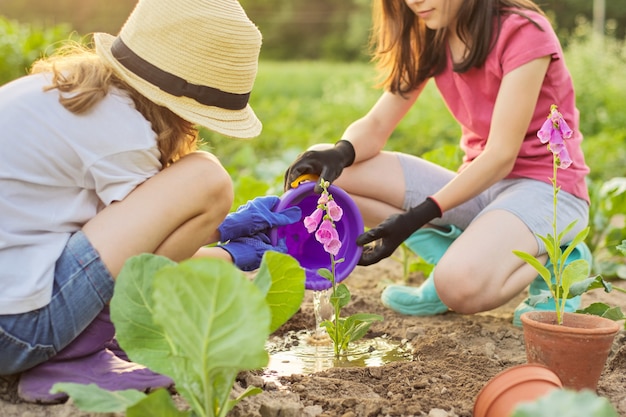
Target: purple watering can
[(303, 246)]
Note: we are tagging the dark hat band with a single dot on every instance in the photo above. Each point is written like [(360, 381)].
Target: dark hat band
[(173, 84)]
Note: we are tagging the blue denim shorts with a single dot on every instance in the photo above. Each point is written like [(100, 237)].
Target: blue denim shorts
[(82, 287)]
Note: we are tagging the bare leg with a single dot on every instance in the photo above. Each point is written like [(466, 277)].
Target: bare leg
[(172, 214), (479, 271)]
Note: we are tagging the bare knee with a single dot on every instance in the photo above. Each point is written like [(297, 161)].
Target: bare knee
[(212, 185), (459, 287)]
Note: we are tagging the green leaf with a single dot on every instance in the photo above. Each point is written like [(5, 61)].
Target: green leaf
[(567, 230), (341, 296), (94, 399), (158, 403), (579, 238), (211, 320), (329, 326), (357, 325), (552, 249), (543, 297), (421, 266), (604, 310), (211, 310), (575, 271), (591, 283), (564, 402), (281, 279), (250, 391), (615, 314), (132, 310), (539, 267), (326, 274), (219, 322)]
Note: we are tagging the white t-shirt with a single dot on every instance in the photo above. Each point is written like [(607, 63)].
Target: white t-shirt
[(57, 170)]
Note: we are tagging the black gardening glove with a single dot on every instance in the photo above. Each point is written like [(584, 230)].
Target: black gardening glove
[(394, 230), (327, 164)]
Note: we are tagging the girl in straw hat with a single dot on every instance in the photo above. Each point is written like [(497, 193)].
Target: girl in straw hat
[(99, 164), (499, 67)]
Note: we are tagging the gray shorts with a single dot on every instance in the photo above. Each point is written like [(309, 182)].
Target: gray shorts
[(529, 200)]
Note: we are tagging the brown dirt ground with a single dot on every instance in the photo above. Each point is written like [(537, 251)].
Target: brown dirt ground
[(451, 357)]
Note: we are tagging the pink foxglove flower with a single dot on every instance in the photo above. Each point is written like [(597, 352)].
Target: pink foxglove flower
[(326, 232), (564, 159), (328, 212), (333, 246), (334, 211), (311, 222), (553, 132)]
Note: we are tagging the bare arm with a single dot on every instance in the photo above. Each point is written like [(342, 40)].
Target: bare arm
[(370, 133), (513, 110)]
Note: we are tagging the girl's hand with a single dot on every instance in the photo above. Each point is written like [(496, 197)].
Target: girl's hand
[(256, 216), (394, 230), (247, 252), (327, 164)]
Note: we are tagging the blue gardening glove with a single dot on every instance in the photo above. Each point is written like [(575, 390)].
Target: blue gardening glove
[(256, 216), (327, 164), (394, 230), (248, 251)]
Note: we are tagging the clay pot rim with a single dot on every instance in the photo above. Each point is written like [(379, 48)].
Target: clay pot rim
[(508, 378), (546, 320)]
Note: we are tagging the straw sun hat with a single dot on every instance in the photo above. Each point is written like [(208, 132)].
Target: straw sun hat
[(198, 58)]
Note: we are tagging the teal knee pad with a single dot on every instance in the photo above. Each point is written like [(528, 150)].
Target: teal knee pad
[(414, 301), (538, 285), (431, 243)]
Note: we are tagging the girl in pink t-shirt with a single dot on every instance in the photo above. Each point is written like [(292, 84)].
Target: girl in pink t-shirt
[(499, 67)]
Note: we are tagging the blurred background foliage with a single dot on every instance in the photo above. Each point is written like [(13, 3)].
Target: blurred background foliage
[(314, 79), (294, 29)]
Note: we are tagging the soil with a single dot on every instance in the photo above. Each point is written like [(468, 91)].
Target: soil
[(450, 357)]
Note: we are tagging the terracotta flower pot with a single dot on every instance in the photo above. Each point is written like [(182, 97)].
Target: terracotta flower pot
[(526, 382), (576, 351)]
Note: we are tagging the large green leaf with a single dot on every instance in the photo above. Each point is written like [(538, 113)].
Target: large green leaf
[(281, 279), (214, 314), (563, 402), (219, 323), (132, 309), (158, 404), (92, 398)]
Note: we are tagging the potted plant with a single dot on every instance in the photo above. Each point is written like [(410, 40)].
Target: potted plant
[(574, 345)]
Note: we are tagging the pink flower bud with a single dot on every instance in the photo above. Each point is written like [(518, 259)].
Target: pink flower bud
[(323, 199)]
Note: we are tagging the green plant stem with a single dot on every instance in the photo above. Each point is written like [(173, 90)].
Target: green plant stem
[(556, 265), (336, 305)]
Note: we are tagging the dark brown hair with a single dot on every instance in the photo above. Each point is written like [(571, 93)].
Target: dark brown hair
[(407, 53)]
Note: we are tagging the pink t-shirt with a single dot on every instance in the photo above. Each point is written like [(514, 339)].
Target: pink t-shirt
[(471, 97)]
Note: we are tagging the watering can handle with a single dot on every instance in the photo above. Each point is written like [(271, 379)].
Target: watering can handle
[(304, 178)]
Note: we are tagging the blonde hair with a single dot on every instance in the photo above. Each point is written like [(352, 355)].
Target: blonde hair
[(83, 80)]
